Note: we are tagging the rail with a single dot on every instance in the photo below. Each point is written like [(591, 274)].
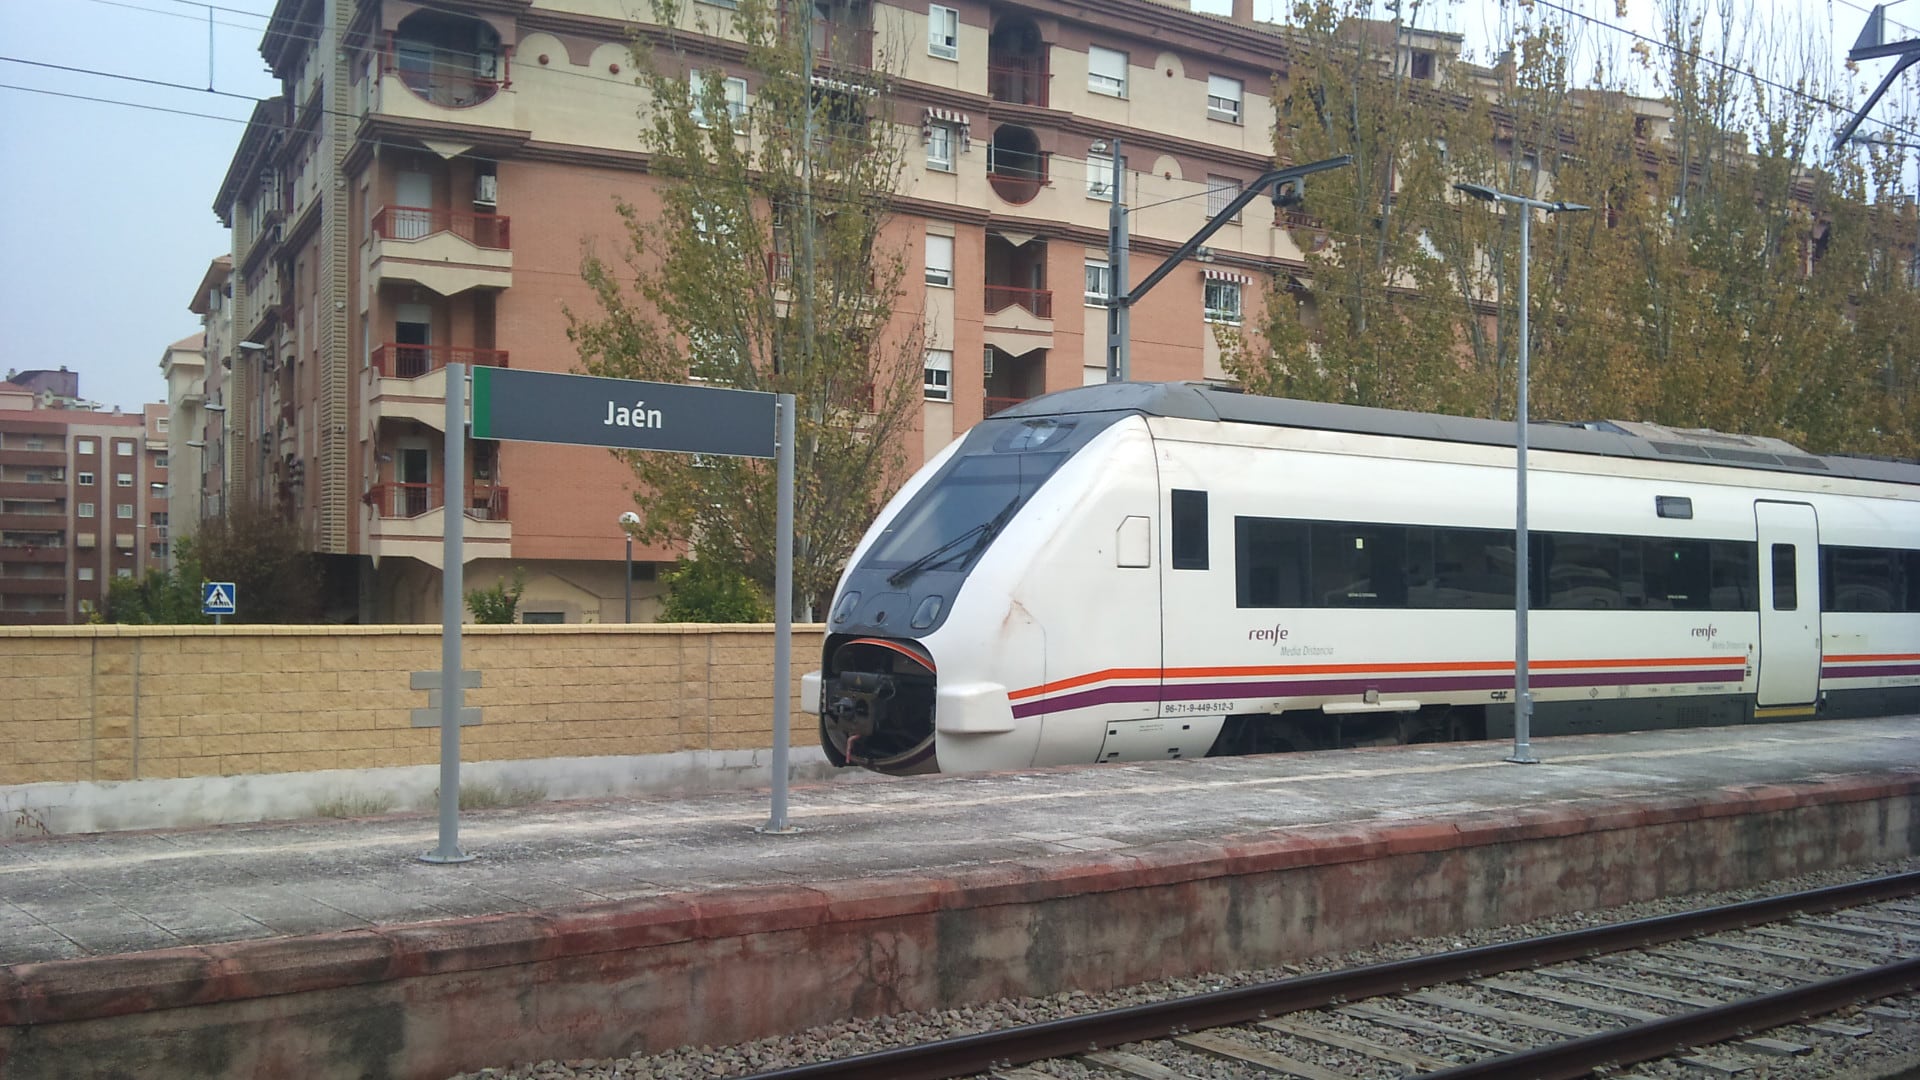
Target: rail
[(1038, 302), (397, 361), (419, 222), (1018, 84), (991, 1050), (485, 501)]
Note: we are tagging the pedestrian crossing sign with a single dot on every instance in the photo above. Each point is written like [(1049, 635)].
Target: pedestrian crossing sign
[(217, 597)]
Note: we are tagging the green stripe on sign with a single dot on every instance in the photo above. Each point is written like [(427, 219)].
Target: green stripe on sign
[(483, 403)]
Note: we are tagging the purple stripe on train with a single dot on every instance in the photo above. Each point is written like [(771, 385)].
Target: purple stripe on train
[(1866, 672), (1219, 691)]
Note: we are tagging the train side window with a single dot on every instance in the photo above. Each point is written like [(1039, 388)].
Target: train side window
[(1359, 566), (1786, 587), (1581, 571), (1676, 574), (1189, 530), (1870, 579), (1736, 582), (1270, 562), (1472, 568)]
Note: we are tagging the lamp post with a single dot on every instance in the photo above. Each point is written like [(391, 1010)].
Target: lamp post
[(1522, 693), (628, 521)]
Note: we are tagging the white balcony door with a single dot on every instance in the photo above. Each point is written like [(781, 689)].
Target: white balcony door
[(413, 194), (412, 334)]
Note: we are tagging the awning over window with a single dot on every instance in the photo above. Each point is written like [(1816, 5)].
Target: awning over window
[(956, 120), (1225, 275)]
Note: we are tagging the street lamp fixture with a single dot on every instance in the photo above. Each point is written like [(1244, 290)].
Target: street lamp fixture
[(1522, 693), (629, 521)]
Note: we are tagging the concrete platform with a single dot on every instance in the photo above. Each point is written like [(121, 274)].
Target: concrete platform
[(592, 929)]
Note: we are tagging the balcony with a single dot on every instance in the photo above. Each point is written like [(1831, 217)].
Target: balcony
[(442, 65), (1016, 172), (48, 522), (13, 455), (448, 251), (14, 551), (1037, 302), (32, 586), (409, 382), (409, 521), (1018, 84), (999, 404), (33, 489), (35, 617)]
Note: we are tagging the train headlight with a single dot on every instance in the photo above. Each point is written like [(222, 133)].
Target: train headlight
[(845, 610), (928, 611)]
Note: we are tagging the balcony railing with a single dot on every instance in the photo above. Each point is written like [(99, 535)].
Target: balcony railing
[(396, 361), (485, 501), (1039, 302), (1018, 84), (37, 586), (420, 222), (1017, 175)]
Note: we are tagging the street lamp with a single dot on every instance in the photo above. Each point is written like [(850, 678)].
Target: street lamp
[(1522, 694), (628, 522)]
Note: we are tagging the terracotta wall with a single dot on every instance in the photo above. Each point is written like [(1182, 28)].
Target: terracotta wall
[(125, 702)]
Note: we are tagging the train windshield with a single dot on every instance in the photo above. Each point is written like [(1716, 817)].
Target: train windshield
[(957, 517)]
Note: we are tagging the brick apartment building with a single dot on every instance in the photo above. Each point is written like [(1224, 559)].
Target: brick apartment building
[(422, 191), (83, 498)]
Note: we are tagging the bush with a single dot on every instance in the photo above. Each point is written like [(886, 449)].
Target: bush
[(497, 605), (705, 591)]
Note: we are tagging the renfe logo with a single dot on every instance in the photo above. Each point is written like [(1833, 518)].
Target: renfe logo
[(1708, 631), (1272, 636)]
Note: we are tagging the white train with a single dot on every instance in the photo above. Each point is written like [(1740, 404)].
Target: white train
[(1145, 571)]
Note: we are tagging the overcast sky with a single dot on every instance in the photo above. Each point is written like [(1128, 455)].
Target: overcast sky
[(106, 215)]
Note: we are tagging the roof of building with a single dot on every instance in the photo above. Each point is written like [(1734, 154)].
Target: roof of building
[(218, 271)]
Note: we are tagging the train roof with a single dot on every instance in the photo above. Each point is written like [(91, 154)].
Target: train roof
[(1607, 438)]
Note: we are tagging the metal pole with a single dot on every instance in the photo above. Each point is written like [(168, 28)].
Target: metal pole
[(782, 618), (629, 608), (453, 508), (1522, 695), (1119, 313)]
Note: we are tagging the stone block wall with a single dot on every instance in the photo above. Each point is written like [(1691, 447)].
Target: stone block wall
[(101, 703)]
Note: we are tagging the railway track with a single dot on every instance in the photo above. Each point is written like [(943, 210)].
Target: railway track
[(1564, 1005)]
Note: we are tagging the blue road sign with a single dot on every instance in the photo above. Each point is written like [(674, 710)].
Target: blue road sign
[(218, 597)]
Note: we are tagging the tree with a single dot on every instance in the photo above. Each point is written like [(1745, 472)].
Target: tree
[(162, 597), (266, 556), (767, 266)]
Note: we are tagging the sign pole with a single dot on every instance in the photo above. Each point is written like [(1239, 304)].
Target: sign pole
[(782, 617), (453, 508)]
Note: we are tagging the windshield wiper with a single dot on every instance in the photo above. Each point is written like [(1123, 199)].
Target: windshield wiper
[(981, 535)]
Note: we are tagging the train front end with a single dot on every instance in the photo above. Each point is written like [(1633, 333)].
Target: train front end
[(923, 640)]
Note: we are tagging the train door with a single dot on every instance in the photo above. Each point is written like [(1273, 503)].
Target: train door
[(1789, 664)]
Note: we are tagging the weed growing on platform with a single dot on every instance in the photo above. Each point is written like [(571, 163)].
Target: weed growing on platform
[(354, 805), (493, 796)]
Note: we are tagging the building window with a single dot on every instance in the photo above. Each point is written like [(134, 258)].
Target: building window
[(158, 517), (1223, 301), (940, 260), (159, 461), (84, 446), (943, 32), (732, 90), (85, 479), (157, 491), (123, 572), (1100, 177), (160, 423), (1221, 191), (1099, 283), (124, 479), (939, 375), (1420, 65), (124, 511), (86, 573), (86, 509), (157, 552), (1106, 71), (123, 448), (940, 147), (1223, 98)]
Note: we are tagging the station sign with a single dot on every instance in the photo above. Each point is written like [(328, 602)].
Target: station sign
[(584, 410)]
